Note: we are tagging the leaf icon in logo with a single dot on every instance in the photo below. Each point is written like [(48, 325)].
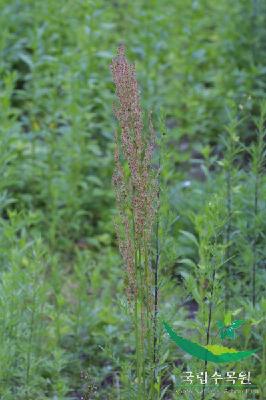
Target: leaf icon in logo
[(229, 331)]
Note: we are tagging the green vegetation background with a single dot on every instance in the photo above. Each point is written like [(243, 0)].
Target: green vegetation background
[(63, 319)]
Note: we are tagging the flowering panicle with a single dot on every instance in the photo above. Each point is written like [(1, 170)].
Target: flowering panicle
[(135, 187)]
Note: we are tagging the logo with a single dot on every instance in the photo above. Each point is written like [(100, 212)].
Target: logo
[(213, 352)]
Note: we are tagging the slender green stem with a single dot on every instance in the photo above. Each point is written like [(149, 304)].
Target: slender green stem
[(136, 319), (147, 295), (137, 348), (156, 289), (228, 234), (208, 328), (263, 368), (254, 250), (156, 308), (30, 341), (141, 322)]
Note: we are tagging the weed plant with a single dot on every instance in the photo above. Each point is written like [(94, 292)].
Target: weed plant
[(63, 312)]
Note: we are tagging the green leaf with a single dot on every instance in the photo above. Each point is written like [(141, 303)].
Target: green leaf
[(188, 262), (228, 318), (191, 237), (26, 59), (237, 311)]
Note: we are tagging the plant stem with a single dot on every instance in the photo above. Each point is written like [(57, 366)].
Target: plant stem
[(30, 341), (263, 368), (228, 233), (156, 289), (148, 305), (142, 324), (137, 350), (208, 328), (256, 195), (136, 323), (156, 308)]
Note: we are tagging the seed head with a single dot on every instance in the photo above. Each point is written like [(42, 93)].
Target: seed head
[(134, 178)]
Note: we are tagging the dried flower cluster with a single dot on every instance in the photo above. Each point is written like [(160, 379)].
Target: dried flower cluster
[(134, 178)]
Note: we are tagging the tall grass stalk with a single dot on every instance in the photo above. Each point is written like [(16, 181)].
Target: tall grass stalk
[(257, 152), (156, 289), (136, 188), (209, 324), (232, 148)]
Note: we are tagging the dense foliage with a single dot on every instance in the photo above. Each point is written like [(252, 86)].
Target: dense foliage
[(65, 330)]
